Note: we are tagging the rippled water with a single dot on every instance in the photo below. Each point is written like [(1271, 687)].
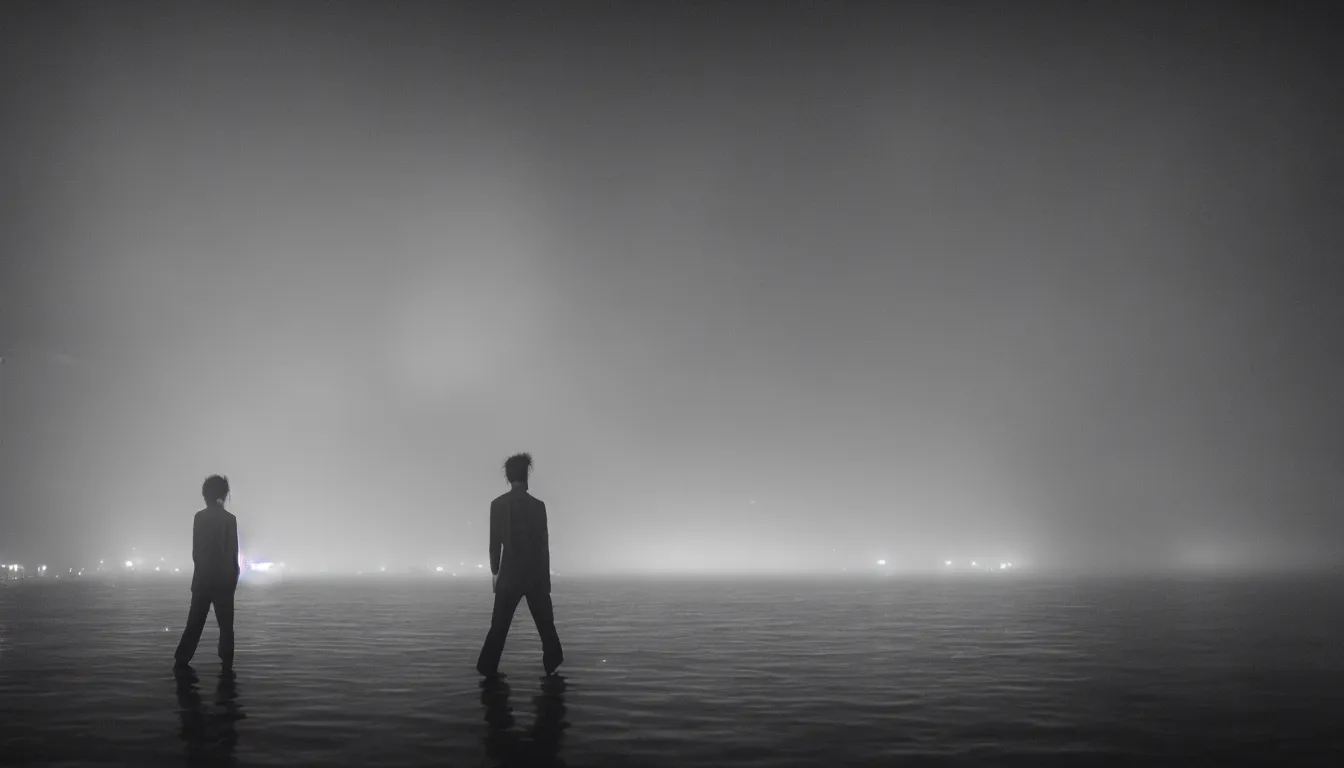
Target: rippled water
[(832, 673)]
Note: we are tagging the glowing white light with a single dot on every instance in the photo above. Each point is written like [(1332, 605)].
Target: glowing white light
[(129, 563), (1010, 565), (100, 562), (439, 569), (156, 569), (262, 566), (1002, 566), (973, 563), (478, 565), (947, 562), (881, 562), (177, 570)]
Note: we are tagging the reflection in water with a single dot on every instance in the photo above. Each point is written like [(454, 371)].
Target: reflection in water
[(209, 731), (538, 747)]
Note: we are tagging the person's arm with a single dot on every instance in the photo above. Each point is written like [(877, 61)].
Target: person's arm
[(197, 542), (496, 539), (232, 549), (545, 544)]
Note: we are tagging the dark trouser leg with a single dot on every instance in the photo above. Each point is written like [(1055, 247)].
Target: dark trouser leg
[(224, 615), (543, 613), (505, 604), (186, 647)]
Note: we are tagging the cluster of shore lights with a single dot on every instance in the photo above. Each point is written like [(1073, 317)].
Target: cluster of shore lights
[(974, 564)]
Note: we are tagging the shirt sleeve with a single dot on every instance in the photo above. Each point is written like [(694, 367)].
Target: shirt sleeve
[(496, 539), (197, 543), (545, 543), (231, 548)]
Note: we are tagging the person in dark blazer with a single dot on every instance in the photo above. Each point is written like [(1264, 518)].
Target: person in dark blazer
[(520, 563), (214, 550)]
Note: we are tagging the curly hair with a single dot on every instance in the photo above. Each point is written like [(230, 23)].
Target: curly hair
[(517, 467), (215, 487)]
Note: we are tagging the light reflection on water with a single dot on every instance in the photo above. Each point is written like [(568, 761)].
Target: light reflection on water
[(684, 673)]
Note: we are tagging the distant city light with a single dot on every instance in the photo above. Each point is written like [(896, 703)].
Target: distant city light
[(947, 562), (478, 565), (177, 570), (1002, 566), (881, 562), (439, 569), (156, 569), (129, 563), (973, 563)]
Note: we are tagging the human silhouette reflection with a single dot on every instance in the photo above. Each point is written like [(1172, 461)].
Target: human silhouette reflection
[(209, 731), (540, 746)]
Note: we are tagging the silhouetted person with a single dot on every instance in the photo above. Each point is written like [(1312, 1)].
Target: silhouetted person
[(520, 560), (214, 550)]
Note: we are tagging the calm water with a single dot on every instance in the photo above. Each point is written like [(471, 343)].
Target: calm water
[(994, 672)]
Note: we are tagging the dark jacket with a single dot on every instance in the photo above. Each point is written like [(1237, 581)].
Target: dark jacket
[(214, 550), (520, 549)]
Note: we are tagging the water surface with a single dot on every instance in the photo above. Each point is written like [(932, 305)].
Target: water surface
[(997, 671)]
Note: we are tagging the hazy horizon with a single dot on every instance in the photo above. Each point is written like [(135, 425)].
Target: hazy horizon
[(791, 290)]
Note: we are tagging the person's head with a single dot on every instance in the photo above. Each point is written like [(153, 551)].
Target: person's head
[(216, 489), (517, 467)]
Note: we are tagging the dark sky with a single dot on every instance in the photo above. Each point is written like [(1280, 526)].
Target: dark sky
[(785, 289)]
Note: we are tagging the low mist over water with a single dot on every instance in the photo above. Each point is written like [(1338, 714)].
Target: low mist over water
[(792, 289)]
